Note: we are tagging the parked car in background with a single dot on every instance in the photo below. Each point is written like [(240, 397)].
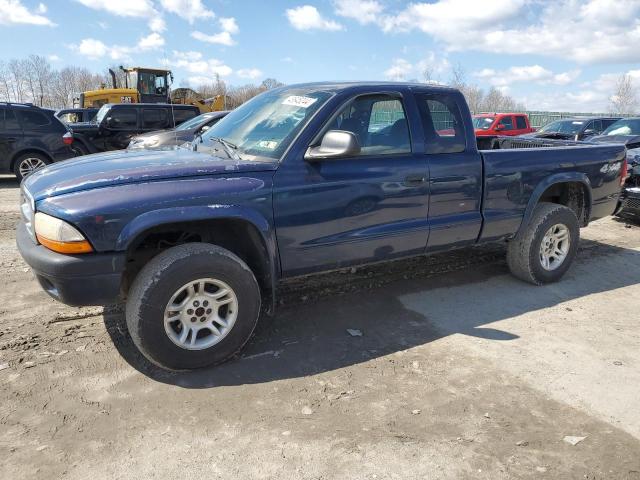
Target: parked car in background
[(77, 115), (184, 132), (625, 131), (488, 124), (116, 124), (630, 199), (197, 239), (577, 128), (30, 138)]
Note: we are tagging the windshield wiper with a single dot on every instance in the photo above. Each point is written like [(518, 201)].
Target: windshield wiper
[(229, 147)]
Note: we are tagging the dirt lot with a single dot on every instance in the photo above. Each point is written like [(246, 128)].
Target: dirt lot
[(461, 372)]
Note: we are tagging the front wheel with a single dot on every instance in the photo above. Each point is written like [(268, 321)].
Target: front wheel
[(543, 252), (29, 163), (192, 306)]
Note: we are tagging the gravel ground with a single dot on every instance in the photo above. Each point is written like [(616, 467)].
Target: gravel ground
[(461, 372)]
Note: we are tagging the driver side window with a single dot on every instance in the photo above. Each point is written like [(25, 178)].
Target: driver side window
[(378, 122)]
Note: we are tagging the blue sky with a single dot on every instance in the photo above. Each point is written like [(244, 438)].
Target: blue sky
[(560, 55)]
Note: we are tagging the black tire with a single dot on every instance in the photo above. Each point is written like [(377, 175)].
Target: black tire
[(523, 252), (162, 277), (79, 149), (19, 164)]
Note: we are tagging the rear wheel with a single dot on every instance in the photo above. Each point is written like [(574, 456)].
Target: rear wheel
[(543, 252), (79, 149), (28, 163), (192, 306)]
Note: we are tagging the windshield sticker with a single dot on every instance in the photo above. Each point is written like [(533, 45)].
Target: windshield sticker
[(298, 101), (577, 123), (267, 144)]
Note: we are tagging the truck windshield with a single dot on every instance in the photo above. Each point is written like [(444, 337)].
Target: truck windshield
[(626, 126), (267, 124), (194, 122), (482, 123), (563, 126), (101, 113)]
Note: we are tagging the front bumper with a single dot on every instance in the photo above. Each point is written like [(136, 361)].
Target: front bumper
[(77, 280), (630, 203)]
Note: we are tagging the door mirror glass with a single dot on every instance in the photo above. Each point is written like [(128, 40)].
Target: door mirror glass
[(205, 128), (109, 122), (335, 144)]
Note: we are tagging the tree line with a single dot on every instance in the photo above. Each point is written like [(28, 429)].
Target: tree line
[(33, 79)]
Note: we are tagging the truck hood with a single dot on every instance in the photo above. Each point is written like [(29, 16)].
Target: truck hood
[(124, 167), (631, 141)]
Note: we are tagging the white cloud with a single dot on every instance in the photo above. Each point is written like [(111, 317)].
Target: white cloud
[(157, 24), (13, 12), (122, 8), (190, 10), (222, 38), (53, 58), (362, 11), (95, 49), (250, 73), (402, 69), (203, 70), (308, 17), (585, 31), (151, 42), (229, 27), (528, 74), (92, 48)]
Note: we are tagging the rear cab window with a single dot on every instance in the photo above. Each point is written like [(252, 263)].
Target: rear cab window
[(521, 122), (442, 122), (181, 115), (155, 118)]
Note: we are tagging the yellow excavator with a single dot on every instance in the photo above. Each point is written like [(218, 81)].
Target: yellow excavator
[(145, 85)]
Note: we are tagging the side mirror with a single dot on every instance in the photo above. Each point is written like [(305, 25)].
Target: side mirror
[(335, 144), (205, 128), (499, 127), (109, 122), (588, 132)]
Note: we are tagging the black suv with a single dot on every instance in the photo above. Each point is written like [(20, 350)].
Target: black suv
[(116, 124), (30, 138)]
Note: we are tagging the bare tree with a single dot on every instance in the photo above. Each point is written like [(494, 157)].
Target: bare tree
[(40, 77), (625, 96), (17, 80), (270, 83)]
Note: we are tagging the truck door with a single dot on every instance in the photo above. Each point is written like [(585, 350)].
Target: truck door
[(334, 212), (455, 171)]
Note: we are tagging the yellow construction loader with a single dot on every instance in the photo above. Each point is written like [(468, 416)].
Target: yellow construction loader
[(146, 85)]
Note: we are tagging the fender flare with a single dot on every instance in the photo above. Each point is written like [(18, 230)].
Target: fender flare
[(26, 150), (166, 216), (556, 179)]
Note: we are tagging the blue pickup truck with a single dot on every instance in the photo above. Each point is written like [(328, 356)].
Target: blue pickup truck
[(299, 180)]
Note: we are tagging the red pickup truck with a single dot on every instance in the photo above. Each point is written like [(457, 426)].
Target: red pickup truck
[(487, 124)]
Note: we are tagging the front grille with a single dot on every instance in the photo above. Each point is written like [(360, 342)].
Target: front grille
[(631, 203)]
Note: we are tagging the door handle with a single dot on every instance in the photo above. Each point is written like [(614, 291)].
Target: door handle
[(414, 180)]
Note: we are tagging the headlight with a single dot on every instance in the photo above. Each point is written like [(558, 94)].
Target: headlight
[(59, 236)]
